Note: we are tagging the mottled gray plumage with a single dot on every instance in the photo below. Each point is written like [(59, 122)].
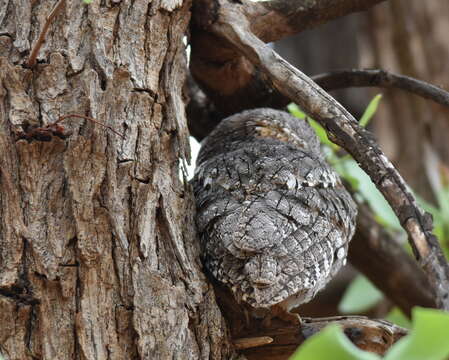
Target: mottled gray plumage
[(274, 218)]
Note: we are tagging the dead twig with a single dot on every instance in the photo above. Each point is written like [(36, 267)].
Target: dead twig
[(247, 343), (375, 336), (367, 334), (45, 133), (41, 39), (64, 117)]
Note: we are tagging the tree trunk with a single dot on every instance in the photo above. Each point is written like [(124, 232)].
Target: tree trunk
[(410, 38), (98, 249)]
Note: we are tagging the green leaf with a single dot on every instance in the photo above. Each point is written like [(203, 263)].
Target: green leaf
[(87, 1), (370, 193), (319, 130), (296, 111), (443, 202), (331, 343), (322, 135), (396, 316), (370, 110), (361, 295), (428, 339)]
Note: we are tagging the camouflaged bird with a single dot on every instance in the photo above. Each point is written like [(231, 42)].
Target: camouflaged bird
[(274, 218)]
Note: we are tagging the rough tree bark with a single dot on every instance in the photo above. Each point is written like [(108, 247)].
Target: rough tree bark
[(98, 251)]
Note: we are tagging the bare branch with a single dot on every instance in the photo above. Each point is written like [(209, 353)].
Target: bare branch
[(374, 252), (203, 116), (380, 78), (229, 23), (275, 19), (372, 331)]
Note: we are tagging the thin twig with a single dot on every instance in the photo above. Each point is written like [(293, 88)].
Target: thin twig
[(33, 56), (62, 118), (252, 342), (381, 78), (229, 23)]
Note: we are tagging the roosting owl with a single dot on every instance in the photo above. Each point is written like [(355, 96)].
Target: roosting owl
[(274, 219)]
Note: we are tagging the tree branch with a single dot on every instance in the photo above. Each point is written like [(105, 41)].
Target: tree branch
[(278, 339), (231, 81), (227, 22), (380, 78), (276, 19), (203, 116), (375, 336), (375, 253)]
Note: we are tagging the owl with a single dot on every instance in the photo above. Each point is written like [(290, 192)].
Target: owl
[(274, 218)]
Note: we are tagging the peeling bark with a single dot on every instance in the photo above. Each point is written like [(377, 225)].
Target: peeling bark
[(98, 248)]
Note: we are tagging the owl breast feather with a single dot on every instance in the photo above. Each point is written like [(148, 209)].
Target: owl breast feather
[(274, 219)]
